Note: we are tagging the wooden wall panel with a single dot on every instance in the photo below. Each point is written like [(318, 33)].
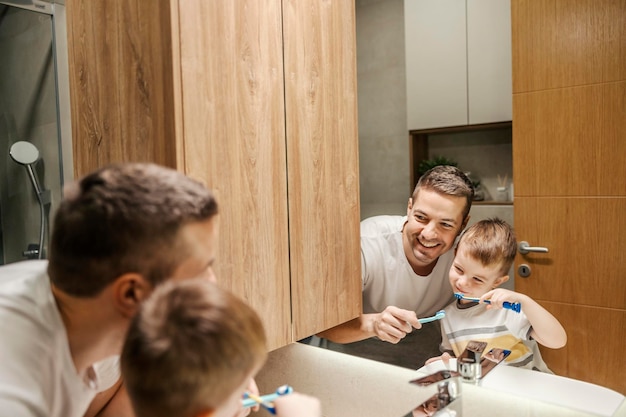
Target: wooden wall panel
[(582, 235), (120, 84), (591, 351), (322, 162), (559, 43), (558, 130), (569, 119)]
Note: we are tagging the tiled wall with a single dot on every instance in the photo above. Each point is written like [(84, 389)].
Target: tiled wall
[(383, 135)]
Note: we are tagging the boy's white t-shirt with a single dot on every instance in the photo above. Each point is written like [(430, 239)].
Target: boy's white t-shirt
[(37, 374)]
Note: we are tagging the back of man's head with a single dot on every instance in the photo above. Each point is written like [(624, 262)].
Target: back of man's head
[(123, 218)]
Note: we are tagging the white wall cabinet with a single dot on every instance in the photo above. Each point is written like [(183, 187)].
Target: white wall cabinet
[(458, 62)]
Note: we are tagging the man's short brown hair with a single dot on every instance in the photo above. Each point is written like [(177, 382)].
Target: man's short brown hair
[(124, 218)]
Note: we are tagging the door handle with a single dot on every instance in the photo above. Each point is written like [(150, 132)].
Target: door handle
[(525, 248)]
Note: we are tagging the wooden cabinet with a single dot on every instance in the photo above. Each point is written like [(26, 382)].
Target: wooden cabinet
[(458, 62), (258, 100)]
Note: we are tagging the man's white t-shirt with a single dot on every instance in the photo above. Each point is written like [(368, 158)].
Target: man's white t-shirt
[(389, 279), (37, 374)]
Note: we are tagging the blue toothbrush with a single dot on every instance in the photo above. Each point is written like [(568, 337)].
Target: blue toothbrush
[(250, 400), (517, 307), (438, 316)]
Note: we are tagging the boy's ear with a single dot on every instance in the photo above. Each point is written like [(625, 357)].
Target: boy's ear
[(129, 291), (500, 281)]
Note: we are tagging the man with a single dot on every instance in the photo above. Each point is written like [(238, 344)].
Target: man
[(119, 232), (405, 263)]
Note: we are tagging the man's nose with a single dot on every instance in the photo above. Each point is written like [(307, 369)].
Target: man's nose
[(429, 231)]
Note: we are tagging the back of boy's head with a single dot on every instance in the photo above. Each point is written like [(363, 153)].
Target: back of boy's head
[(492, 242), (190, 346), (447, 180), (124, 218)]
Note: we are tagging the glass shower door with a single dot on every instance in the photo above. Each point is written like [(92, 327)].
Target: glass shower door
[(30, 118)]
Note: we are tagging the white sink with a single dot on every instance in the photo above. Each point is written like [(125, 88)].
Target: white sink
[(548, 388)]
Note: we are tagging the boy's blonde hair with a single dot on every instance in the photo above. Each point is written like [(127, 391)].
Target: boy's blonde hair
[(492, 242), (187, 350)]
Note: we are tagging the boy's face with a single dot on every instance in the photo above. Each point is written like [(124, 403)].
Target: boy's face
[(433, 222), (200, 239), (470, 277)]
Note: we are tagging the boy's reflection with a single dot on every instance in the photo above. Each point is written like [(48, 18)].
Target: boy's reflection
[(428, 408)]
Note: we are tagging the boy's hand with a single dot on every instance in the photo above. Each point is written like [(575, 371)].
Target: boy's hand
[(499, 295), (445, 357), (297, 405)]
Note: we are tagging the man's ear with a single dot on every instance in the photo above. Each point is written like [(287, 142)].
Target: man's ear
[(409, 206), (500, 281), (129, 291)]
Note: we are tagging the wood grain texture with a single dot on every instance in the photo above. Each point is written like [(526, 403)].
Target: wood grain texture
[(556, 131), (569, 119), (120, 84), (322, 162), (585, 241), (234, 129), (559, 43), (591, 353)]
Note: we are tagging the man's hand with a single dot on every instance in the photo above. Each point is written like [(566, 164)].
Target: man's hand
[(394, 323)]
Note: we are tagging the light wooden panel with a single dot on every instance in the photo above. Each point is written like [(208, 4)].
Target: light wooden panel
[(558, 43), (120, 84), (322, 162), (592, 353), (585, 241), (234, 140), (570, 141)]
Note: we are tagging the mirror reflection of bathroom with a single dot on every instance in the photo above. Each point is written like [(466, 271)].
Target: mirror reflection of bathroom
[(30, 167), (391, 51)]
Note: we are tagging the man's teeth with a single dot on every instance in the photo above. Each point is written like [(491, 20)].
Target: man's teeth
[(428, 245)]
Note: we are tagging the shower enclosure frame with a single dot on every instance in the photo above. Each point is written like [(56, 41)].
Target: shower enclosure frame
[(56, 10)]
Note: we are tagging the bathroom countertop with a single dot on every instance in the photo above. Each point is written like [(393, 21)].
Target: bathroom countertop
[(352, 386)]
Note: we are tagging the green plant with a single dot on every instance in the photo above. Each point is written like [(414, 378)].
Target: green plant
[(427, 164)]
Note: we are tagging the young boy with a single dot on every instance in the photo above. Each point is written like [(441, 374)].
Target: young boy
[(482, 260), (191, 352)]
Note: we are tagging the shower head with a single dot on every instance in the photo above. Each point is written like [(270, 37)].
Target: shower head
[(24, 153)]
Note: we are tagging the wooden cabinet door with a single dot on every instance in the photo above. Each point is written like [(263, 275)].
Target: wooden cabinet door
[(570, 192), (233, 138), (322, 163)]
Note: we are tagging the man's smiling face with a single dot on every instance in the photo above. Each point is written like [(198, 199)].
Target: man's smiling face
[(434, 221)]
